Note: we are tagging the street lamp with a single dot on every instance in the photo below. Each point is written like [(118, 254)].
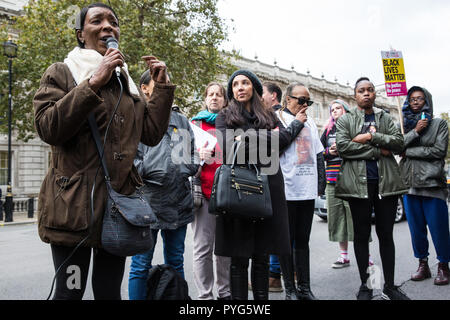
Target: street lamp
[(10, 51)]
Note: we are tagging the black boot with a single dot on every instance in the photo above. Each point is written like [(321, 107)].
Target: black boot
[(303, 279), (260, 277), (287, 270), (239, 280)]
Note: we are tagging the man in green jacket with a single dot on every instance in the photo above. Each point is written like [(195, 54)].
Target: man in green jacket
[(369, 179)]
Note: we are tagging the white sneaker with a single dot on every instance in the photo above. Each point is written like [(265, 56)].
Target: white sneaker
[(341, 263)]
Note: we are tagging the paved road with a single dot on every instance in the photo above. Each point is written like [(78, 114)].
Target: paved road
[(26, 267)]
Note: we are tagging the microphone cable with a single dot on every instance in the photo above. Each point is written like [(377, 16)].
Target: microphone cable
[(92, 191)]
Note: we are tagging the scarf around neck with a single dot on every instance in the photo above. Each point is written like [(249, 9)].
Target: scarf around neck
[(206, 116), (83, 63), (410, 118)]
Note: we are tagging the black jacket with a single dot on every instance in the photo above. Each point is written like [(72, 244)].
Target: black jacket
[(241, 238), (167, 187)]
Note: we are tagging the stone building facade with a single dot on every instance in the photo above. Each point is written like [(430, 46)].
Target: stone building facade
[(30, 160), (322, 91)]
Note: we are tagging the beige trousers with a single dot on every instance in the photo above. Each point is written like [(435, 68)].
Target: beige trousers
[(204, 228)]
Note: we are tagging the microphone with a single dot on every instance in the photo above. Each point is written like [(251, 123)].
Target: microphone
[(111, 42)]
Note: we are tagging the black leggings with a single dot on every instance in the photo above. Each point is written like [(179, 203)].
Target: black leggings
[(385, 209), (107, 273), (259, 277), (300, 222)]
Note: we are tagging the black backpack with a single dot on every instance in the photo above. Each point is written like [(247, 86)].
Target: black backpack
[(165, 283)]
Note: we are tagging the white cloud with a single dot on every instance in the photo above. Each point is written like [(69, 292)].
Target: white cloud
[(343, 39)]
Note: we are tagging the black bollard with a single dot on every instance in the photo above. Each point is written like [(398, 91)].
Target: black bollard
[(30, 207)]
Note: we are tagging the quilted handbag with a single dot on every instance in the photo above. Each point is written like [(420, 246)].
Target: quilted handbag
[(240, 191), (127, 218)]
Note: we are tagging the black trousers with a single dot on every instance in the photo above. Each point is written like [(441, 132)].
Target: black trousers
[(300, 222), (385, 209), (107, 273)]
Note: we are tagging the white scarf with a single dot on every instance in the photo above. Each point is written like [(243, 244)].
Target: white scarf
[(83, 63)]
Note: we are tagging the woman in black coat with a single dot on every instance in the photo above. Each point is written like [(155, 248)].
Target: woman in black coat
[(243, 239)]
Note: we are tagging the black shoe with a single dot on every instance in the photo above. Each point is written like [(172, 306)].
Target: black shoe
[(364, 293), (304, 292), (393, 293), (224, 298), (301, 258), (287, 269), (291, 294)]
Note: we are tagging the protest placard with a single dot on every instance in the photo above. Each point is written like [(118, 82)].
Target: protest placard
[(394, 73)]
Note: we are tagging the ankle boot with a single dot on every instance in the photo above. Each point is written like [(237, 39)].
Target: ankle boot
[(442, 274), (423, 271), (287, 270), (260, 278), (303, 278), (238, 282)]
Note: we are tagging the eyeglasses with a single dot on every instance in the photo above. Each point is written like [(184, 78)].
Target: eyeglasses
[(418, 99), (302, 101)]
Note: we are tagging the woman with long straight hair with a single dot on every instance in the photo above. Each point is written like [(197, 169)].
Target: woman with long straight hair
[(247, 117)]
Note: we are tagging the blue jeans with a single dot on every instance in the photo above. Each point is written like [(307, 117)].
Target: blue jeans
[(422, 211), (274, 265), (173, 242)]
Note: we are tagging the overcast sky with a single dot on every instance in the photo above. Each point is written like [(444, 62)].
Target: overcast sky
[(343, 39)]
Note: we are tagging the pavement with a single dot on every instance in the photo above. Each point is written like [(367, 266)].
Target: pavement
[(18, 219), (30, 276)]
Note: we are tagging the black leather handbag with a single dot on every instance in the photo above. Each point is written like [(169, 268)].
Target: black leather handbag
[(240, 191), (127, 218)]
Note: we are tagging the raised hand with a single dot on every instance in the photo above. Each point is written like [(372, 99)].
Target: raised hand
[(301, 115), (158, 69)]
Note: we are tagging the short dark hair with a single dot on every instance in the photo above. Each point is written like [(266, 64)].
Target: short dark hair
[(79, 23), (273, 87), (145, 78), (361, 80)]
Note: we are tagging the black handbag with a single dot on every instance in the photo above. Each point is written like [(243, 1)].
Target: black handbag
[(240, 191), (126, 221)]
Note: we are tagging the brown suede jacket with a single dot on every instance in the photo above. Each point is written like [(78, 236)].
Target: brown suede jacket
[(61, 111)]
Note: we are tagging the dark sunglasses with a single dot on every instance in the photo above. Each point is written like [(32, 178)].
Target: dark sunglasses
[(302, 101)]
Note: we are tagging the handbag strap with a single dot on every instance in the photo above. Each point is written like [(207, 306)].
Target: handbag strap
[(235, 148), (98, 144)]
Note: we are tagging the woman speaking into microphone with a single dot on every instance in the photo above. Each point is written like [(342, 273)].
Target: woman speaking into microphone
[(87, 83)]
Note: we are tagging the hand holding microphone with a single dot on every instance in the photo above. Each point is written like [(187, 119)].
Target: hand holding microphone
[(112, 43), (112, 60)]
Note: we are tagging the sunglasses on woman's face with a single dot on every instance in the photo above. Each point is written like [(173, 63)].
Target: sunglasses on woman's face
[(302, 101)]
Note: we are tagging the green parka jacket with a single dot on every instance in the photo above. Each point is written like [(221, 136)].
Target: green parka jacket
[(352, 177), (424, 161)]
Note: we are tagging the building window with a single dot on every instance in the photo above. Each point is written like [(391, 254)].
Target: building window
[(3, 168)]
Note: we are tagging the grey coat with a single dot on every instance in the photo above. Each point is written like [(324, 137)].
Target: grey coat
[(165, 170)]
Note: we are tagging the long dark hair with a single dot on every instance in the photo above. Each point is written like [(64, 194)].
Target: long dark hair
[(265, 117)]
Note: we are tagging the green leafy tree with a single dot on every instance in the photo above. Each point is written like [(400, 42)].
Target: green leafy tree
[(446, 117), (186, 34)]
